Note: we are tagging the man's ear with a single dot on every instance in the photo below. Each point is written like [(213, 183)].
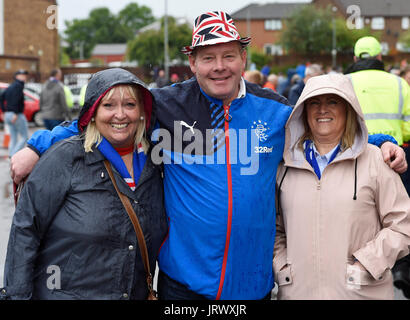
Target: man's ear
[(244, 58), (191, 59), (355, 59)]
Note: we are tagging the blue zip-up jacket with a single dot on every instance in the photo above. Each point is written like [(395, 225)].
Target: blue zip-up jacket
[(221, 208), (220, 191)]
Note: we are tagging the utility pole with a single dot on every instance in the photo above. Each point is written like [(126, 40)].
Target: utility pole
[(248, 30), (334, 51), (166, 56)]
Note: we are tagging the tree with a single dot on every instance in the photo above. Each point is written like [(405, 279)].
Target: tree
[(259, 58), (148, 47), (346, 38), (79, 38), (133, 17), (405, 40), (309, 31), (102, 26)]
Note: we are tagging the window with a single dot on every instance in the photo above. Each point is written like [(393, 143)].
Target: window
[(272, 49), (401, 47), (273, 24), (359, 23), (377, 23), (385, 48), (405, 23)]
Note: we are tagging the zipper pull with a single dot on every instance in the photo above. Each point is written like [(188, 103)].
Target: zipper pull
[(227, 116)]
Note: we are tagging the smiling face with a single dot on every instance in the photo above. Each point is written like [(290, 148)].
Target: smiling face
[(118, 116), (326, 117), (218, 69)]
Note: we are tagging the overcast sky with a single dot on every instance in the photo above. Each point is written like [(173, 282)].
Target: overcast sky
[(71, 9)]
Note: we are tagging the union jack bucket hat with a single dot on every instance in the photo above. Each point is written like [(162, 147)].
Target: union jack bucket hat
[(214, 27)]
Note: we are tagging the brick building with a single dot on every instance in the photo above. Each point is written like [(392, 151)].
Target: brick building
[(28, 38), (389, 17), (265, 22), (109, 52)]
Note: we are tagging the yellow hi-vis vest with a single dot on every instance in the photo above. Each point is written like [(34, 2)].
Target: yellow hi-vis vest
[(385, 101), (68, 96)]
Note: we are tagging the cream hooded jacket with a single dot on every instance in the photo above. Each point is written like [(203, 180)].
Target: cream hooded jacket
[(359, 209)]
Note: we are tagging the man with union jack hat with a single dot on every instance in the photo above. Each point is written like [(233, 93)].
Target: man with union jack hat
[(213, 28)]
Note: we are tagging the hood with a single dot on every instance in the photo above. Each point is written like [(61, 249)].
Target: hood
[(326, 84), (101, 82), (52, 84)]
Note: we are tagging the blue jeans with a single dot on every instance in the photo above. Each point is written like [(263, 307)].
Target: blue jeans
[(19, 127)]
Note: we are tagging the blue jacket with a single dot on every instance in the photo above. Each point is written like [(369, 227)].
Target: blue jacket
[(221, 213), (295, 92)]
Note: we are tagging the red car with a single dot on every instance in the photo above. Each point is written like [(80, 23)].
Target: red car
[(31, 105)]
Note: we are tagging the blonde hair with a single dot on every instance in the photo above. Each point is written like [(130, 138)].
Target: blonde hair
[(93, 137), (348, 134), (253, 76)]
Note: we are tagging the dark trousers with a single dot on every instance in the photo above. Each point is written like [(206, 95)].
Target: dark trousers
[(51, 123), (169, 289), (405, 177), (403, 265)]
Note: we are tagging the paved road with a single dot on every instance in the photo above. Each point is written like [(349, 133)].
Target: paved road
[(7, 208)]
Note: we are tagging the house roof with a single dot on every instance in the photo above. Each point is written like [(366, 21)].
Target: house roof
[(266, 11), (110, 49), (368, 8), (382, 8)]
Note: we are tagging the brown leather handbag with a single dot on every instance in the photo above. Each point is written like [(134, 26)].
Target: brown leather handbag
[(152, 295)]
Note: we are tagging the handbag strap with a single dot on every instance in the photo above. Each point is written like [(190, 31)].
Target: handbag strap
[(137, 227)]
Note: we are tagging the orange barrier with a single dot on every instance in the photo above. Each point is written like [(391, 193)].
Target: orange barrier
[(6, 138)]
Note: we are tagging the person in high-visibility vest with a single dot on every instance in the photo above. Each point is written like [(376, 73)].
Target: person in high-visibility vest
[(385, 101), (68, 96), (82, 94), (384, 97)]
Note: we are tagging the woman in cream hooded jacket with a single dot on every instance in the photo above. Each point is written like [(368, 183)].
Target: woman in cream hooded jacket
[(358, 211)]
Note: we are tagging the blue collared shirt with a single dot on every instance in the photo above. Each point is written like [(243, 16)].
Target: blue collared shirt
[(323, 161)]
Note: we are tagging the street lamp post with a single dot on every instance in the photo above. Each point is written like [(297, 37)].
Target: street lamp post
[(248, 27), (334, 51), (166, 57)]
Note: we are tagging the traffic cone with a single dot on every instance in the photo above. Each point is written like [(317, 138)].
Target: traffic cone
[(6, 138)]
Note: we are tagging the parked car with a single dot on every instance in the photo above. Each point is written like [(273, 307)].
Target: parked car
[(34, 87), (31, 106)]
